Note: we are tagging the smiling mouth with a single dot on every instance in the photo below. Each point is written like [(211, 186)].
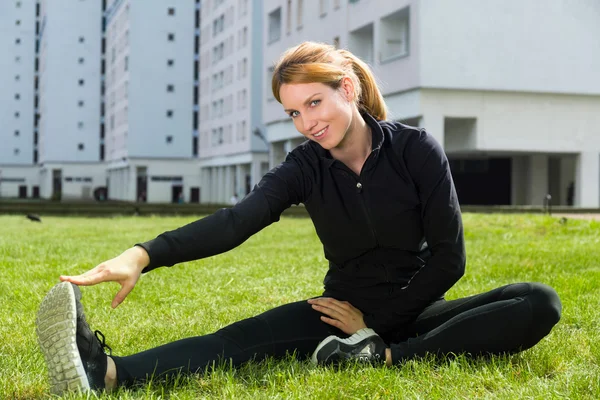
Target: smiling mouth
[(321, 132)]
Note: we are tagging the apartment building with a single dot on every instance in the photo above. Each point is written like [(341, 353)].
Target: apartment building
[(510, 89), (68, 99), (18, 152), (232, 148), (150, 108)]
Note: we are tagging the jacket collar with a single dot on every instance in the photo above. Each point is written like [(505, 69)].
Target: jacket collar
[(376, 142)]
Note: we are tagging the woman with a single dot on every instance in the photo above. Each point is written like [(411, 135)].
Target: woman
[(383, 203)]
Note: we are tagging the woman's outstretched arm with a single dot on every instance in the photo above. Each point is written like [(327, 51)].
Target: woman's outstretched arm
[(217, 233)]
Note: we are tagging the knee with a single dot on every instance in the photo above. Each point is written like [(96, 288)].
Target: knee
[(545, 304)]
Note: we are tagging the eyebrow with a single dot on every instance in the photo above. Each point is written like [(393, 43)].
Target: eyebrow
[(287, 110)]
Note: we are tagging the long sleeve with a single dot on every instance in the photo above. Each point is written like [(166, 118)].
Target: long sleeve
[(442, 225), (230, 227)]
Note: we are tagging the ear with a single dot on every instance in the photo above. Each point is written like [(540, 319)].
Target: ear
[(347, 88)]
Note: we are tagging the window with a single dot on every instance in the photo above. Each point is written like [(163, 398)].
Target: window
[(17, 133), (17, 96), (18, 41), (17, 77), (336, 42), (300, 14), (170, 62), (126, 63), (80, 60), (80, 146), (81, 39), (18, 22), (288, 17), (171, 11), (169, 139), (18, 4), (169, 113), (80, 125), (170, 88), (323, 7), (394, 35), (171, 37), (17, 115), (275, 25), (269, 89), (17, 151), (81, 82), (80, 103), (360, 42), (17, 59)]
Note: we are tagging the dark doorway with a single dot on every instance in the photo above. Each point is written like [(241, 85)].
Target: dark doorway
[(141, 184), (56, 184), (176, 194), (248, 184), (36, 192), (22, 191), (485, 181), (194, 195)]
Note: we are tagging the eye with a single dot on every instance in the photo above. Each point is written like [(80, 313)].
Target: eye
[(315, 103), (293, 114)]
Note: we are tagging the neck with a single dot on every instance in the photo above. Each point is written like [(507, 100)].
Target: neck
[(356, 146)]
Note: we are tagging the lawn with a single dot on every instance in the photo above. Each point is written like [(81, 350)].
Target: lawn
[(285, 263)]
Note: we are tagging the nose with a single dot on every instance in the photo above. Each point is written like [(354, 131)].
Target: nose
[(308, 123)]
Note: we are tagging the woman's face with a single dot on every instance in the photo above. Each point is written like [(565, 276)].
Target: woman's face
[(319, 112)]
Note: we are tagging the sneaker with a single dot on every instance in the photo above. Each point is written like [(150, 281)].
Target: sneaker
[(74, 354), (365, 346)]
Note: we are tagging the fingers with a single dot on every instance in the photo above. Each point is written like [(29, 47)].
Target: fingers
[(83, 279), (120, 296), (333, 322), (92, 279), (331, 306)]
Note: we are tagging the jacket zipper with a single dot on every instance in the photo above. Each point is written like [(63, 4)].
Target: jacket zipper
[(359, 188)]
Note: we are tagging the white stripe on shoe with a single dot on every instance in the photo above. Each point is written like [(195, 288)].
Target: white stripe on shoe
[(354, 339), (56, 328)]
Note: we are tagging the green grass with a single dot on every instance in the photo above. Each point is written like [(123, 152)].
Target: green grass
[(285, 263)]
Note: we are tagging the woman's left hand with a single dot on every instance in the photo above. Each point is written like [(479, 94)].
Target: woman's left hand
[(340, 314)]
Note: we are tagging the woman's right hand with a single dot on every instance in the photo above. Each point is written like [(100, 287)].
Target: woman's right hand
[(124, 269)]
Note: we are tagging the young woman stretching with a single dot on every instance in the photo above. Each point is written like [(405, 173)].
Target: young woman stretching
[(383, 203)]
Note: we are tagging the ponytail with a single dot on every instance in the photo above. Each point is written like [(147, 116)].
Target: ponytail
[(370, 99)]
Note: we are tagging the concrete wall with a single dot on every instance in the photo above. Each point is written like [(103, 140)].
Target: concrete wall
[(534, 45), (11, 177), (64, 125), (122, 179), (17, 82), (149, 100), (78, 179)]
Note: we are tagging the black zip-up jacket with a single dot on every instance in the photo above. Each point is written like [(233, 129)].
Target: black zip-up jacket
[(373, 226)]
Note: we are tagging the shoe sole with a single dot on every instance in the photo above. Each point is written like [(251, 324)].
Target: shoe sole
[(352, 340), (56, 327)]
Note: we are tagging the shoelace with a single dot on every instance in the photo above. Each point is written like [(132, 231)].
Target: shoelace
[(102, 340)]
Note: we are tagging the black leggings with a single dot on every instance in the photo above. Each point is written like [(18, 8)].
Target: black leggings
[(505, 320)]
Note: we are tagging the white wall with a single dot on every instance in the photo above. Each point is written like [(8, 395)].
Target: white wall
[(17, 78), (78, 179), (533, 45), (150, 75), (123, 179), (11, 177), (60, 72), (508, 121)]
